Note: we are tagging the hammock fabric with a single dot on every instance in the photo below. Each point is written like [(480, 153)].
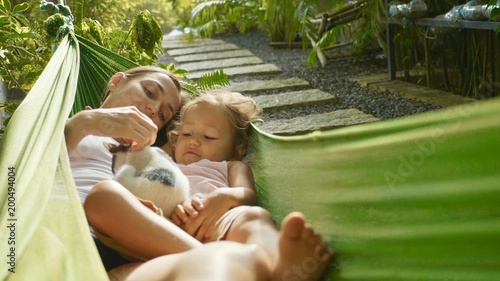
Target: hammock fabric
[(414, 198), (406, 199)]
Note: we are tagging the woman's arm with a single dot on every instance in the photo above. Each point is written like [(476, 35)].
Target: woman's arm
[(74, 130), (123, 122)]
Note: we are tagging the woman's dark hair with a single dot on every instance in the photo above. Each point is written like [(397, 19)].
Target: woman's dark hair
[(140, 70), (164, 133)]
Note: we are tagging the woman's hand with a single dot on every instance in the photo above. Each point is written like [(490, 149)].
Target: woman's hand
[(122, 122)]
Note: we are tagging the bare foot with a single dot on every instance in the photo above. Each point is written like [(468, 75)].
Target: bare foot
[(302, 254)]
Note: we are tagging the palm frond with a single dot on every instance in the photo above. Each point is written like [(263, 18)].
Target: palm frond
[(213, 80), (97, 65), (205, 10)]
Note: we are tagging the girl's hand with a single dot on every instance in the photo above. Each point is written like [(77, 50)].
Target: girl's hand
[(187, 210), (215, 206)]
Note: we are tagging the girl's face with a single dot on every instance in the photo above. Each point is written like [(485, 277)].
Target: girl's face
[(154, 94), (205, 133)]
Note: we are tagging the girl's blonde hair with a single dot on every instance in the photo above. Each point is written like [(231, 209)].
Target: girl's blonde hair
[(240, 111)]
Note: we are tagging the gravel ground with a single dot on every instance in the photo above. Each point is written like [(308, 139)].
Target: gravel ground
[(333, 78)]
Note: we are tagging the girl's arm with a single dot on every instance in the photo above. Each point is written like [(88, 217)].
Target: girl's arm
[(242, 191)]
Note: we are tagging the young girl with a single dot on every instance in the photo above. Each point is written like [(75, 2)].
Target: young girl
[(213, 135)]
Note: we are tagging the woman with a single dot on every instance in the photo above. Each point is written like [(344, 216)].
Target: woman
[(138, 103)]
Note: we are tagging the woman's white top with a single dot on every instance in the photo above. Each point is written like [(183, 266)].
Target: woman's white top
[(91, 163)]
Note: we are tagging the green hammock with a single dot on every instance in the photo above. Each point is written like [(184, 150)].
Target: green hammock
[(406, 199)]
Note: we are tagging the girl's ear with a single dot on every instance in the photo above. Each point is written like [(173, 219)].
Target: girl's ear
[(115, 80)]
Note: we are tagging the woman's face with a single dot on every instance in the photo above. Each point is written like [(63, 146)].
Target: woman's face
[(153, 93)]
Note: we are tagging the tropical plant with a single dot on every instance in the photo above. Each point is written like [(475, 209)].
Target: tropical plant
[(370, 28), (495, 12), (118, 13), (112, 13), (23, 52), (225, 16), (315, 31), (319, 23), (145, 35), (8, 108), (281, 22), (23, 49)]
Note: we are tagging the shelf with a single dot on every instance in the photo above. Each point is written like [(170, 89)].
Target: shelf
[(459, 24), (468, 24)]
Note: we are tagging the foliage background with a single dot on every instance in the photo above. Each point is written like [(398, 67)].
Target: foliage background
[(25, 48)]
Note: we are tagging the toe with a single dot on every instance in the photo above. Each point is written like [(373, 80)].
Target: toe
[(293, 225)]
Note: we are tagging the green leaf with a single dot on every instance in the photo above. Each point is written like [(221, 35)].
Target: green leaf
[(20, 8), (190, 87), (180, 71), (9, 107), (495, 13), (27, 35), (170, 67), (312, 59), (6, 4)]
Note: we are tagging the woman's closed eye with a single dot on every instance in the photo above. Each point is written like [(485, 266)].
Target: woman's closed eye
[(148, 92), (210, 138), (151, 95)]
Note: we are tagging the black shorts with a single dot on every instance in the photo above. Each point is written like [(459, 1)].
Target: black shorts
[(110, 258)]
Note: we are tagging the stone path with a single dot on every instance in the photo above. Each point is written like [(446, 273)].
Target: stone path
[(412, 91), (206, 55)]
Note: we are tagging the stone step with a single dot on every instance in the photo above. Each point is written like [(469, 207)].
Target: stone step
[(315, 122), (242, 70), (265, 85), (295, 98), (218, 64), (174, 36), (171, 44), (214, 56), (202, 49), (412, 91)]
